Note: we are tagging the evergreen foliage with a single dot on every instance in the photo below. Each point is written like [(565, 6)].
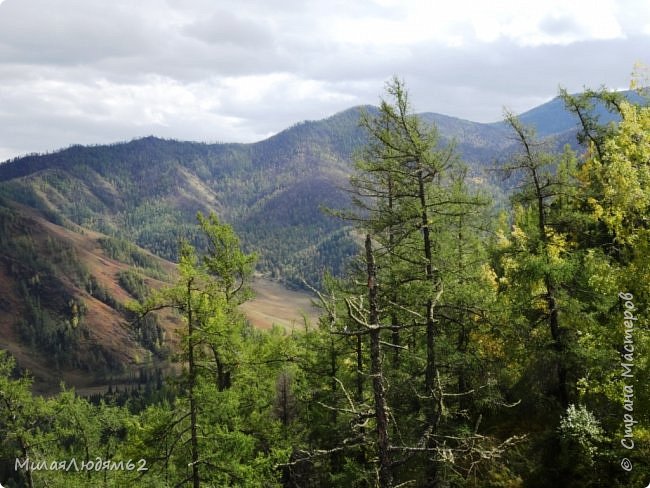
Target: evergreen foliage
[(459, 349)]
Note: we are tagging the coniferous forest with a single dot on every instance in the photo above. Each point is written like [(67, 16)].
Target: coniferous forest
[(474, 339)]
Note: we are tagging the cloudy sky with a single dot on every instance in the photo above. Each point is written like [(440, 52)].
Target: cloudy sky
[(96, 71)]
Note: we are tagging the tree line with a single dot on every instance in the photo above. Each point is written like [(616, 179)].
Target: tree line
[(466, 345)]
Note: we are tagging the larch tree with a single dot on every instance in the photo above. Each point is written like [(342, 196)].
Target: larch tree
[(207, 431), (414, 214)]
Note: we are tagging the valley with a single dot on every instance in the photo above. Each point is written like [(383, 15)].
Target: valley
[(472, 298), (81, 219)]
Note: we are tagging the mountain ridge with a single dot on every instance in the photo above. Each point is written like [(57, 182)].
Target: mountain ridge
[(140, 198)]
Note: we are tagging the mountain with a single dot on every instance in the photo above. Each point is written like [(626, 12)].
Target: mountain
[(88, 228), (149, 190), (64, 294), (64, 291), (552, 120)]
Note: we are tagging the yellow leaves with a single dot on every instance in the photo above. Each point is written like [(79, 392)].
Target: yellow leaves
[(518, 234), (488, 345), (602, 277), (598, 210), (489, 276), (640, 77), (348, 362), (538, 296), (557, 246), (621, 182), (502, 241), (509, 265)]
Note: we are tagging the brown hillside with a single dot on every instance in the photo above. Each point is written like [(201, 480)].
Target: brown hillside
[(105, 341)]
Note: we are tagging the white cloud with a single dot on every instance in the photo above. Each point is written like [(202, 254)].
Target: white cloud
[(541, 23), (90, 71)]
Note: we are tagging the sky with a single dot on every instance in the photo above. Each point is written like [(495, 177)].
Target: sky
[(97, 71)]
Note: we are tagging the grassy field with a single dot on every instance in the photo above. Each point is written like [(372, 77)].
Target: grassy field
[(275, 304)]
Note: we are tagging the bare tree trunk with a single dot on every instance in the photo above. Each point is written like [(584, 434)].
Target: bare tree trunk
[(223, 375), (395, 336), (431, 411), (551, 303), (430, 371), (556, 334), (359, 351), (381, 419), (551, 293), (194, 443)]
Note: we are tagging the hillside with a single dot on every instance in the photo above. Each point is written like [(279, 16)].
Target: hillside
[(149, 190), (87, 229), (64, 295), (64, 314)]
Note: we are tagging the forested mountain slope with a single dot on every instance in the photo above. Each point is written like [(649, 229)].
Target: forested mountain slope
[(464, 348), (63, 312), (76, 223), (149, 190)]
